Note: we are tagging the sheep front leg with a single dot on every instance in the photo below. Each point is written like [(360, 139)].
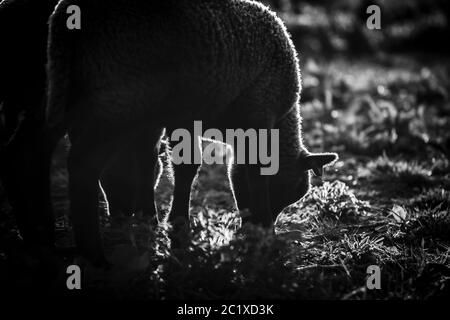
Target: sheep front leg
[(251, 191)]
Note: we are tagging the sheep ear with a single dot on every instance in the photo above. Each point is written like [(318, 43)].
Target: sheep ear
[(316, 162)]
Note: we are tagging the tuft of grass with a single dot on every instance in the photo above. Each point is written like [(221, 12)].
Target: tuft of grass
[(432, 198), (427, 219), (432, 224), (396, 177), (333, 201)]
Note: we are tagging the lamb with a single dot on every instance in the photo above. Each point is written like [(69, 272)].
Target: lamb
[(23, 34), (155, 65)]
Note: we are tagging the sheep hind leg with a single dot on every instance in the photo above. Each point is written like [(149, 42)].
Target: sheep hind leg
[(118, 181), (88, 156), (147, 173), (131, 176), (239, 183)]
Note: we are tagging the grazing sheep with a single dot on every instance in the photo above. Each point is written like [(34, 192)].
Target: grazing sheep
[(149, 65), (23, 160), (24, 163)]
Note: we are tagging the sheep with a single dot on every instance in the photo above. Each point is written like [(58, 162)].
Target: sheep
[(23, 38), (151, 65), (25, 164)]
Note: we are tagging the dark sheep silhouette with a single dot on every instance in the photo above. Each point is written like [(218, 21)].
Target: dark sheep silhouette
[(25, 155), (24, 158), (150, 65)]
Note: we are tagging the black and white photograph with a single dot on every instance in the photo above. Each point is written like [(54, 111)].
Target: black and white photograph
[(224, 150)]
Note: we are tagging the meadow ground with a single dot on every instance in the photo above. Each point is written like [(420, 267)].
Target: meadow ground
[(386, 202)]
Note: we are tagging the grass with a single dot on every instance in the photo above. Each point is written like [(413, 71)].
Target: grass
[(384, 203)]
